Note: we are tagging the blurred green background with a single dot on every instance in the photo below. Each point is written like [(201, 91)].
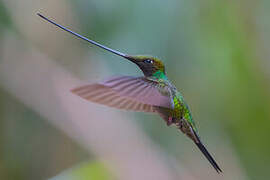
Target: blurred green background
[(216, 53)]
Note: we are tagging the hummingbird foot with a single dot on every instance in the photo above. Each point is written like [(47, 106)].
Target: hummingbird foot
[(170, 121)]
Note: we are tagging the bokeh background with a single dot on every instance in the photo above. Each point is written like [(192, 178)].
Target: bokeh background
[(215, 51)]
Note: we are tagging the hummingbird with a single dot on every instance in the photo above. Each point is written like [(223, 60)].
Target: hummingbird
[(153, 93)]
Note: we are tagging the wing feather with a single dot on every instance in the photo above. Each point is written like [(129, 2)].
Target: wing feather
[(125, 92), (141, 89)]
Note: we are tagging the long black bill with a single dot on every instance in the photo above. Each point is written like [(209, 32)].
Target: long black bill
[(84, 38)]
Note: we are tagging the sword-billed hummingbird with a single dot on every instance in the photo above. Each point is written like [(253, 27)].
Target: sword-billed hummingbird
[(152, 92)]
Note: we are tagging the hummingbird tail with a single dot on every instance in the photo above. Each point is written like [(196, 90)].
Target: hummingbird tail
[(208, 156)]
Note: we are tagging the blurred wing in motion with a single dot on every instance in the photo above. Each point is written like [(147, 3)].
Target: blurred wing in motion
[(125, 92)]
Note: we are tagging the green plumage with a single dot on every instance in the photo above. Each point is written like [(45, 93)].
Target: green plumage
[(180, 113)]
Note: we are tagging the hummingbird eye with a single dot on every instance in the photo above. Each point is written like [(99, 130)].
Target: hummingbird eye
[(149, 61)]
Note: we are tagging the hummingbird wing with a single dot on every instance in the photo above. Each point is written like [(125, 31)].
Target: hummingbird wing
[(125, 92)]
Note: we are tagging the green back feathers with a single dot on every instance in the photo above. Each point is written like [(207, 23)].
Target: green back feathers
[(184, 109)]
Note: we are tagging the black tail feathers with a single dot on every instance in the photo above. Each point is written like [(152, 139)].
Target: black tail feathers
[(208, 156)]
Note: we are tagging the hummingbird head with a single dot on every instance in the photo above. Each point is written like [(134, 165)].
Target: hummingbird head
[(149, 65)]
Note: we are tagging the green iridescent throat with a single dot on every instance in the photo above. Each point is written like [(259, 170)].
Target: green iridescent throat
[(160, 75)]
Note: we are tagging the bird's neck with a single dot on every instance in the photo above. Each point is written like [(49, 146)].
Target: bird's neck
[(159, 75)]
